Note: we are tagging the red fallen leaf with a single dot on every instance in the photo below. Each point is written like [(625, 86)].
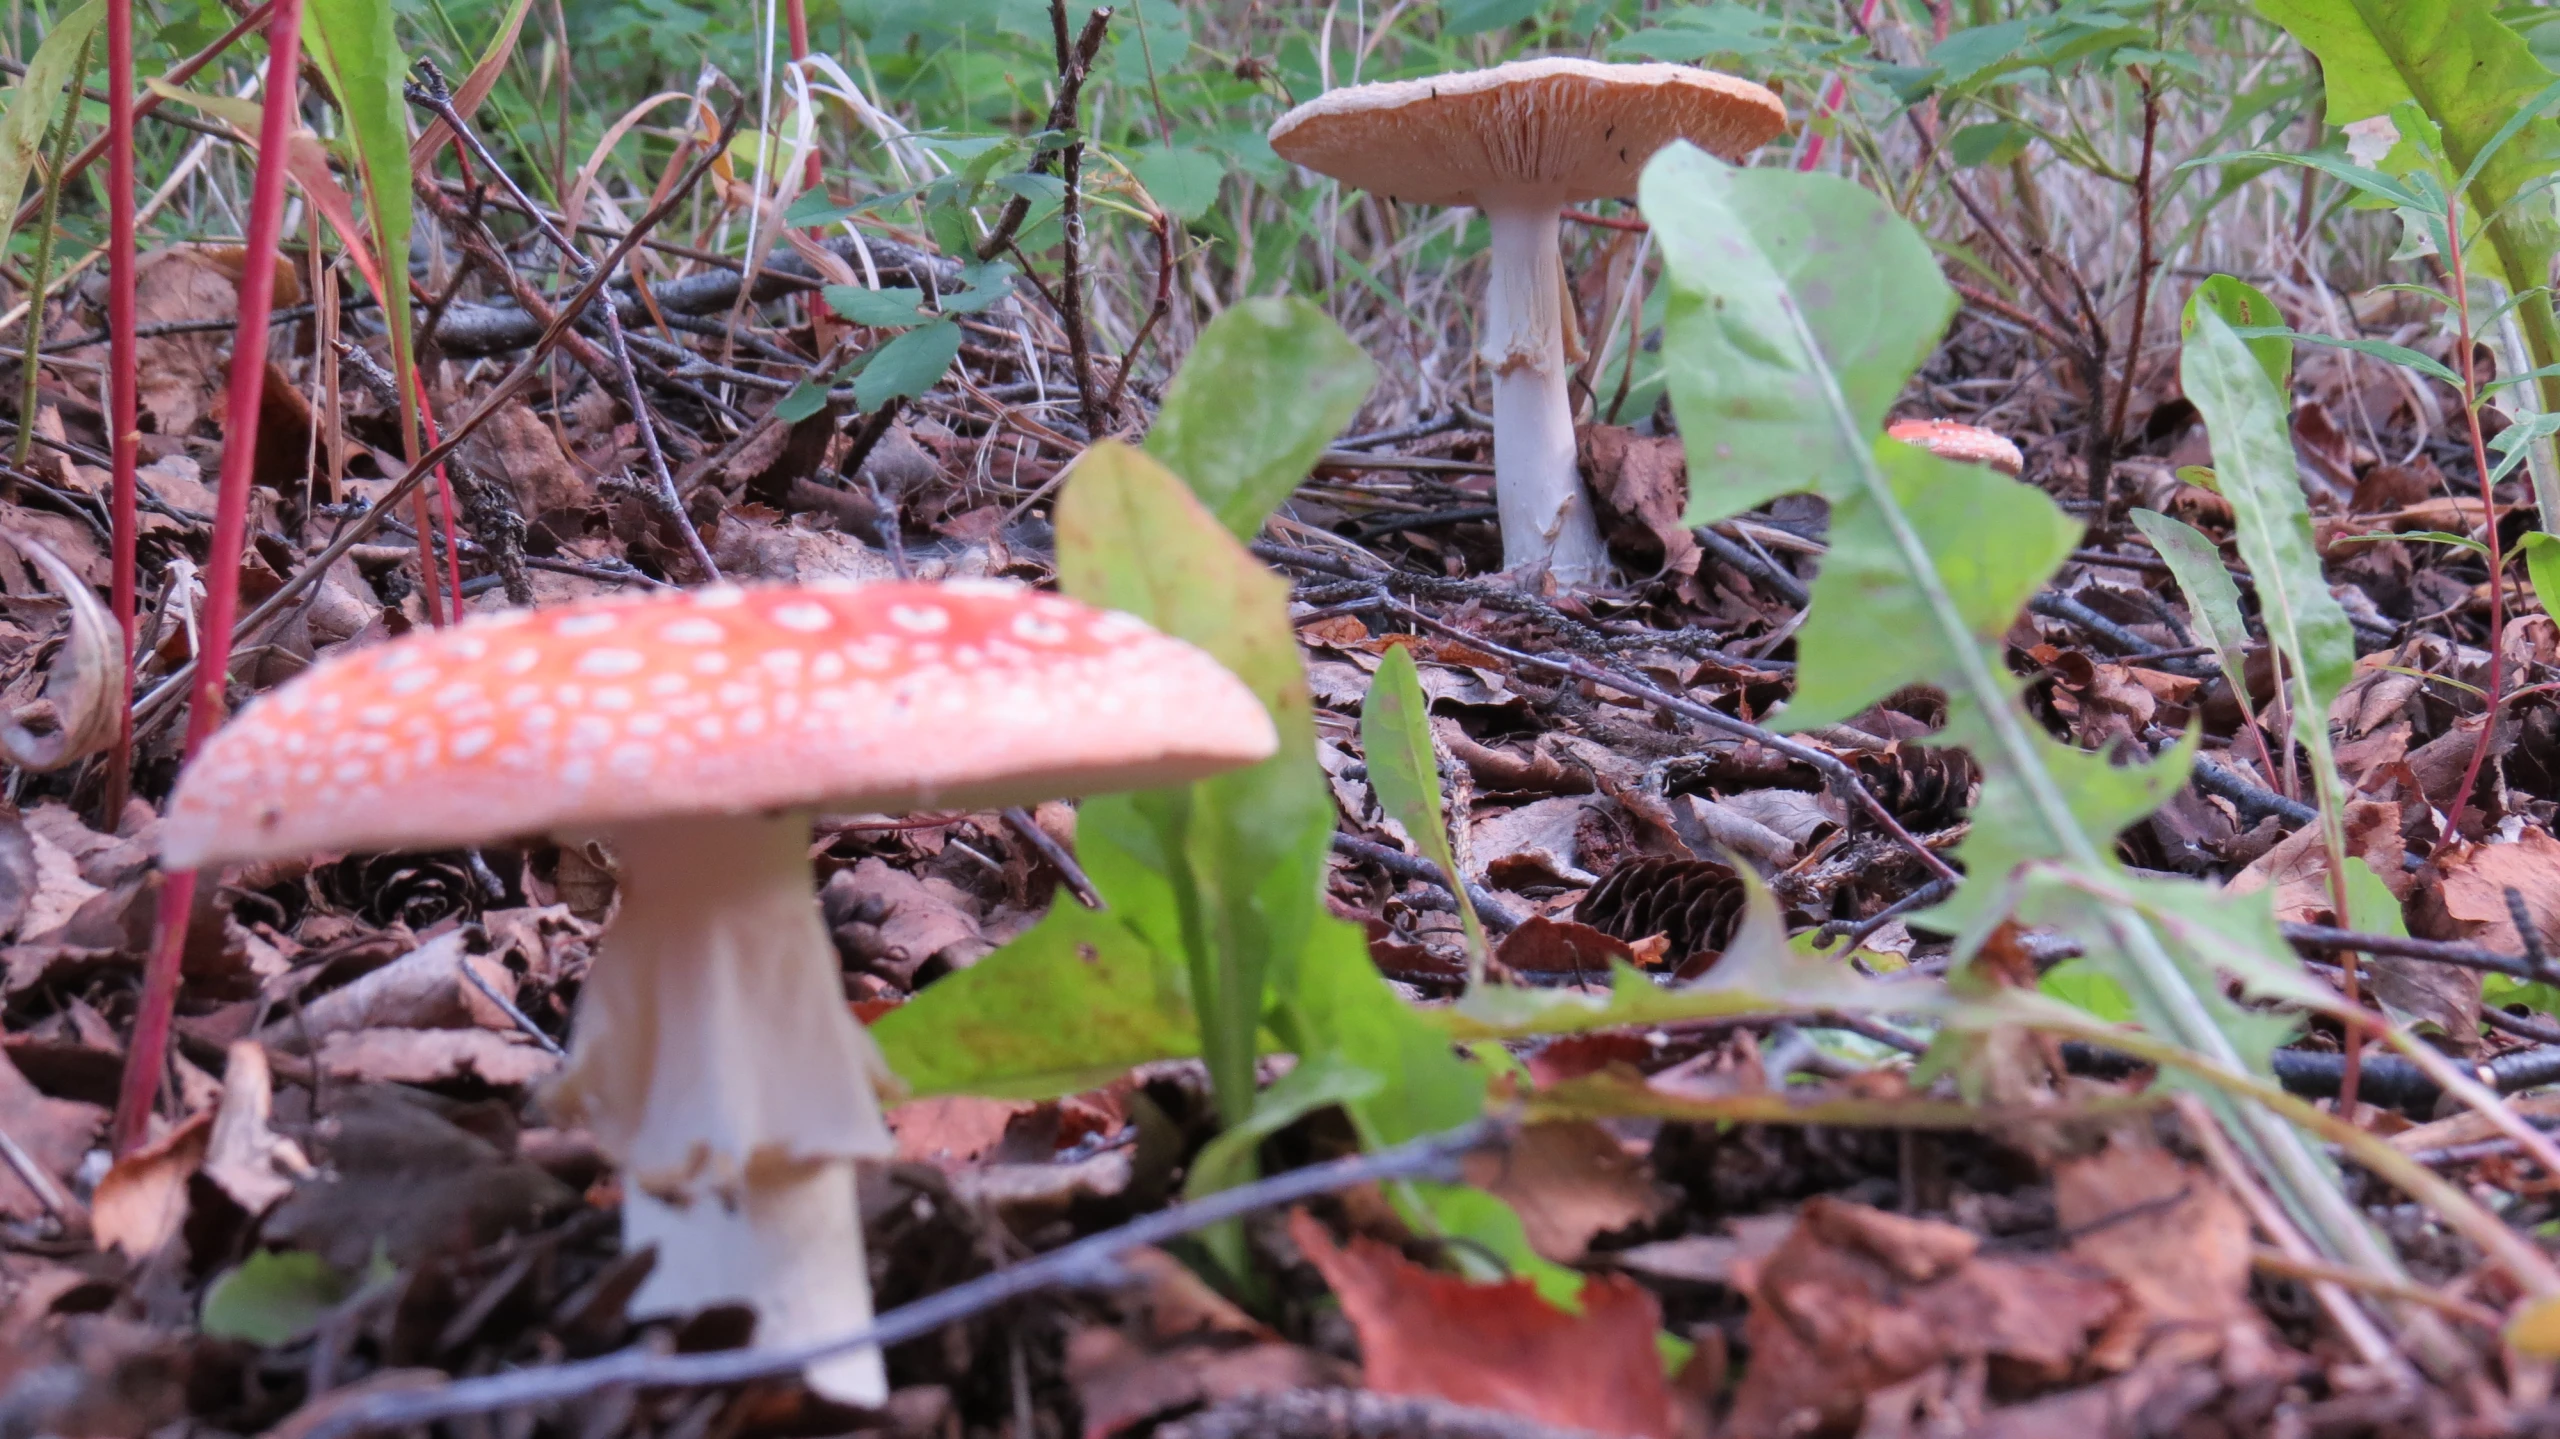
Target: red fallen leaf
[(1499, 1346), (1562, 946), (1575, 1055)]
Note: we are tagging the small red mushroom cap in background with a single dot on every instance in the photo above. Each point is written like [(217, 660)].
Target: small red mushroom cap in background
[(1966, 444)]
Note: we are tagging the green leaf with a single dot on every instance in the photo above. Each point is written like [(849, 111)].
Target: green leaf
[(2213, 596), (907, 366), (36, 100), (2077, 981), (1742, 247), (354, 44), (2253, 456), (1404, 773), (1326, 1079), (2243, 307), (1994, 143), (273, 1297), (1267, 388), (806, 398), (2542, 567), (1242, 855), (1474, 17), (1182, 179), (982, 283), (897, 305), (1079, 999)]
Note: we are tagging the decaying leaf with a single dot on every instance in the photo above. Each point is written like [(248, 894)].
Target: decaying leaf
[(1500, 1346), (143, 1198), (85, 689), (1180, 1346)]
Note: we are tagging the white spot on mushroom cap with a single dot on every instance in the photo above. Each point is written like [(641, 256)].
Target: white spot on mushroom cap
[(804, 617), (580, 626), (606, 663), (693, 630), (920, 619)]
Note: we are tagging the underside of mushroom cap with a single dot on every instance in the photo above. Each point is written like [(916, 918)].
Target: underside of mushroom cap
[(1581, 129), (715, 701)]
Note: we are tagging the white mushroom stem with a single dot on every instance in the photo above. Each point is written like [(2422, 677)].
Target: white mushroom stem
[(1546, 514), (716, 1061)]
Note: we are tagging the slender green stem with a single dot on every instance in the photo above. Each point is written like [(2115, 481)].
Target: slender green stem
[(58, 167)]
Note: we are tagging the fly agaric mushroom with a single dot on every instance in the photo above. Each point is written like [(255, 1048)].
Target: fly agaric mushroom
[(714, 1056), (1965, 444), (1520, 142)]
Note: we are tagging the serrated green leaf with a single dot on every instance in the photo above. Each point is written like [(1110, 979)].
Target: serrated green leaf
[(1267, 388), (806, 398), (1741, 247), (2244, 307), (2213, 597), (36, 100), (1404, 773), (982, 283), (2079, 982), (894, 305), (908, 365)]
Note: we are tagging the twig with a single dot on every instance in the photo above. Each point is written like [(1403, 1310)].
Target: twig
[(521, 1020), (438, 99), (2529, 935), (1162, 306), (1785, 586), (1091, 1261), (2100, 473), (1857, 931), (2253, 801), (1072, 64), (1356, 1414), (2466, 956), (496, 398), (1493, 909), (1028, 830), (1076, 61), (32, 1175)]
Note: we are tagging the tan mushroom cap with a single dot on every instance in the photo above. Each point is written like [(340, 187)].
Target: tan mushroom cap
[(1580, 128), (715, 701), (1966, 444)]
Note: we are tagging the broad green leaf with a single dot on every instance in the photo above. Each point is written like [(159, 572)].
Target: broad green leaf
[(353, 43), (893, 305), (1870, 630), (982, 283), (2244, 307), (1995, 143), (1243, 853), (1183, 179), (2542, 567), (1079, 999), (2253, 457), (273, 1297), (1404, 773), (1740, 248), (1474, 17), (36, 100), (2213, 597), (2473, 77), (1326, 1079), (806, 398), (1267, 388), (907, 366)]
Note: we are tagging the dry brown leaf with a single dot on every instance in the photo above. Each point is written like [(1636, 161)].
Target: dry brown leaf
[(2476, 879), (1570, 1183), (178, 379), (952, 1131), (435, 1056), (83, 690), (1857, 1300), (1538, 843), (1642, 485), (894, 923), (55, 1133), (2176, 1242), (1500, 1346), (1180, 1345), (143, 1199), (423, 989), (250, 1161)]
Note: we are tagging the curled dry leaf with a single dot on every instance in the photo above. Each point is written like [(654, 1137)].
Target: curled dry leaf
[(1500, 1346), (85, 687), (53, 1133), (435, 1056), (143, 1200), (250, 1161)]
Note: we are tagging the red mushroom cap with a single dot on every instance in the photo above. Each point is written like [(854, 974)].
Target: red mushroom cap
[(715, 701), (1967, 444)]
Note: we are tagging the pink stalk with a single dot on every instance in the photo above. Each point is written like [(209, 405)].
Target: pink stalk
[(124, 427), (149, 1050), (796, 13), (1832, 94)]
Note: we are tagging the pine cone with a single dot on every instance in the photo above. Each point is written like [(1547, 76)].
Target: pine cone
[(1926, 789), (1697, 902)]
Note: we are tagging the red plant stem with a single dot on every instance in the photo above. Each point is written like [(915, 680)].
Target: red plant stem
[(1833, 93), (148, 1052), (796, 15), (1628, 223), (124, 426)]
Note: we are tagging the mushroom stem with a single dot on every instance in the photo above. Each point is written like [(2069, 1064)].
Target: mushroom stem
[(1546, 515), (716, 1061)]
